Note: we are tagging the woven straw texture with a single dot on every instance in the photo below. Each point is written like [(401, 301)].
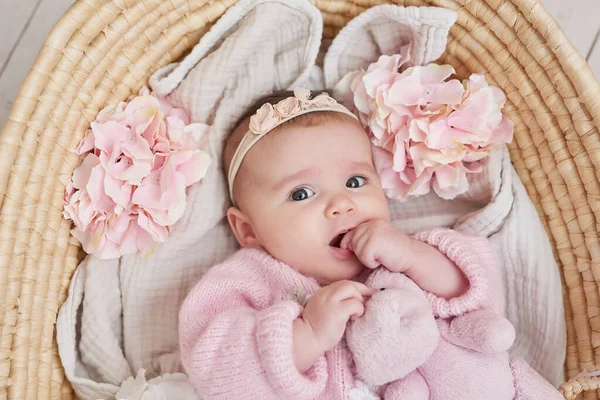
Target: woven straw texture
[(102, 51)]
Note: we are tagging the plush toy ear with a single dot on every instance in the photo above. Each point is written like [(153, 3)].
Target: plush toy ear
[(385, 29), (483, 331)]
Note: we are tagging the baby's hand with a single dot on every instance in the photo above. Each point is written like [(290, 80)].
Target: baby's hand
[(378, 242), (328, 311)]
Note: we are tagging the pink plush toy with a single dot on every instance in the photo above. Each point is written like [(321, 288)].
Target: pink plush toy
[(456, 358)]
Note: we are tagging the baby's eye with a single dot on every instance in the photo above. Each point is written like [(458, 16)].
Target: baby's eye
[(302, 193), (355, 182)]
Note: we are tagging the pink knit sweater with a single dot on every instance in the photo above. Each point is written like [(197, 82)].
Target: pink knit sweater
[(235, 326)]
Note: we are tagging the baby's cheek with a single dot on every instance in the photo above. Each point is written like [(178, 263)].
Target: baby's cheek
[(295, 236), (304, 239), (376, 205), (288, 236)]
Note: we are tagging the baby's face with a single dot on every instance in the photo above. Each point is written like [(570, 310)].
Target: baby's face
[(308, 184)]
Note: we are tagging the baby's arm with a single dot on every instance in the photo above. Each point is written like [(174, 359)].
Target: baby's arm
[(234, 344), (433, 271), (306, 352), (473, 257), (429, 258)]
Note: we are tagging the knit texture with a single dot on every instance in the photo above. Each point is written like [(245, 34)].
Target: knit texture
[(235, 326), (527, 285), (471, 253), (461, 355)]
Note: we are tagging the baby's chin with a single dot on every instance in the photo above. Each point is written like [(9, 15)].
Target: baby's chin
[(342, 270)]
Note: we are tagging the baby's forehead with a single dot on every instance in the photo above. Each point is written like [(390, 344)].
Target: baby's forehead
[(305, 140), (307, 145)]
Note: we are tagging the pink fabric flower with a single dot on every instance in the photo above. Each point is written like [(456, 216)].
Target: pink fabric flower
[(138, 159), (264, 120), (287, 107), (268, 116), (428, 132)]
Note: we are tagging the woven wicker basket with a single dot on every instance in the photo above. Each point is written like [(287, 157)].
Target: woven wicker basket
[(102, 51)]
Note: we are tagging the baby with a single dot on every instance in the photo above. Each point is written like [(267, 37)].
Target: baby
[(313, 222)]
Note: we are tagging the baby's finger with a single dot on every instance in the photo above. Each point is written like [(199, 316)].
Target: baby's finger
[(346, 290), (370, 262), (364, 289), (349, 289), (360, 242), (352, 309), (347, 239), (369, 258)]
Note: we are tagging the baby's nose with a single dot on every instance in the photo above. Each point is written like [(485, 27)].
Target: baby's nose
[(340, 205)]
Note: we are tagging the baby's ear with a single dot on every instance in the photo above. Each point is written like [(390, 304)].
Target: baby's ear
[(242, 228)]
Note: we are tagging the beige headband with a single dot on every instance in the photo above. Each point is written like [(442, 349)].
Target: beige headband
[(268, 117)]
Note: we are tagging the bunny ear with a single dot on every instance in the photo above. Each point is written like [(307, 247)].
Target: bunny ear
[(386, 29)]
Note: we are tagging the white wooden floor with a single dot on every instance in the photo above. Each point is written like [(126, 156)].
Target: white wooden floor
[(24, 24)]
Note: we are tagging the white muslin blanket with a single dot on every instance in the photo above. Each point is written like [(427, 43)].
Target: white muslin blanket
[(117, 331)]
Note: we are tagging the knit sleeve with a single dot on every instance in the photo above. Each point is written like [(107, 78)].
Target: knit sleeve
[(233, 349), (475, 257), (275, 347)]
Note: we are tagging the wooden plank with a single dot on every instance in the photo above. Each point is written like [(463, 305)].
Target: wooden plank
[(578, 19), (14, 16), (22, 58)]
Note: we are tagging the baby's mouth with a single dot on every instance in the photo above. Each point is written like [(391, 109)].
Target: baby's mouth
[(337, 240)]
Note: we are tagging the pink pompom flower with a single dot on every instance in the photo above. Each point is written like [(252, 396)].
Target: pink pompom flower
[(138, 159), (428, 132)]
